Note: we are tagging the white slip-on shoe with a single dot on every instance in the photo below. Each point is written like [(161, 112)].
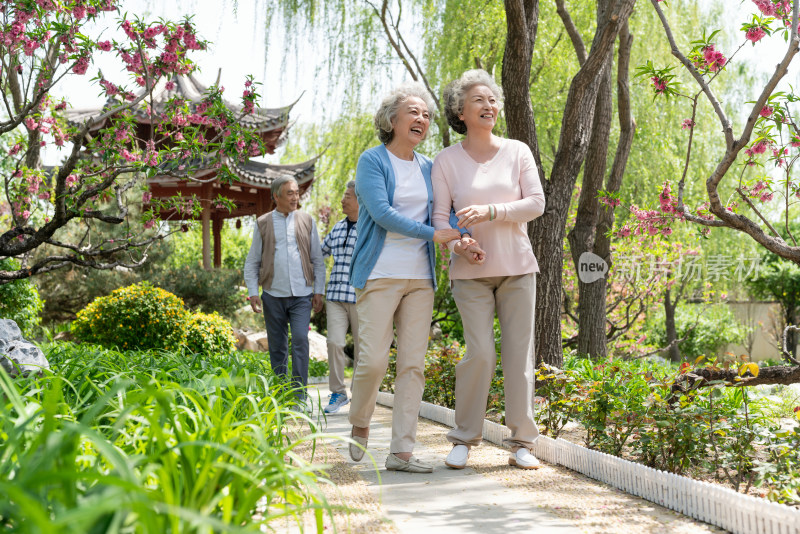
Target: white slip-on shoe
[(523, 459), (457, 459), (412, 465), (356, 452)]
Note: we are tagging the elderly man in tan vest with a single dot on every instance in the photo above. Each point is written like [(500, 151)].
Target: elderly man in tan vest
[(285, 259)]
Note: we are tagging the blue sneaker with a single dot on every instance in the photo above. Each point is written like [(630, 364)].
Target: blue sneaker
[(337, 401)]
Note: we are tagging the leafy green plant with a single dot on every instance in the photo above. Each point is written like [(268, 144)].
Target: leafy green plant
[(209, 334), (778, 473), (564, 397), (19, 300), (440, 374), (135, 317), (151, 442), (612, 411), (317, 368)]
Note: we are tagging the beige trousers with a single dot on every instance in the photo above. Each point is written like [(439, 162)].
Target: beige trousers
[(409, 304), (514, 298), (341, 315)]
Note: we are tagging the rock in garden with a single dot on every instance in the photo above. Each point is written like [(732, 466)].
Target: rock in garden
[(241, 338), (256, 342), (16, 354), (317, 346), (65, 335)]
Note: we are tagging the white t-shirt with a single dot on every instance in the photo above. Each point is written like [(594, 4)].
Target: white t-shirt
[(405, 257)]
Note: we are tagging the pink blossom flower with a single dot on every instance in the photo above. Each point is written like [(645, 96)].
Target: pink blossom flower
[(169, 86), (71, 181), (26, 214), (687, 124), (760, 147), (81, 65), (766, 111), (660, 84), (105, 46), (766, 7), (146, 196), (755, 34), (15, 149), (110, 88), (149, 224)]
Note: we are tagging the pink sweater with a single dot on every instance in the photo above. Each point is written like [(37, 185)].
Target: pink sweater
[(510, 181)]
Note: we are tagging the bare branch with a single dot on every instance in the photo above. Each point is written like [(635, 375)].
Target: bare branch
[(572, 31)]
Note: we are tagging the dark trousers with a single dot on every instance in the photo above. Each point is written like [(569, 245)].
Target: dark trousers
[(280, 313)]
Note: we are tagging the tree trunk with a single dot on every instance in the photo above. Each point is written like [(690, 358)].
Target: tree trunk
[(522, 20), (669, 323), (547, 232), (627, 127), (791, 336), (592, 296)]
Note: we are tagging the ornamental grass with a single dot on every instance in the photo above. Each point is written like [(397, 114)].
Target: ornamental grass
[(151, 442)]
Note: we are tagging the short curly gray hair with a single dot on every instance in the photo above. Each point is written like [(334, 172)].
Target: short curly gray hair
[(391, 103), (456, 91)]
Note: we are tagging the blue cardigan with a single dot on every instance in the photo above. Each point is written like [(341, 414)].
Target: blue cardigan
[(375, 183)]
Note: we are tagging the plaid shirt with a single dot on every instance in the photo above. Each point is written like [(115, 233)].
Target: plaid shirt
[(339, 244)]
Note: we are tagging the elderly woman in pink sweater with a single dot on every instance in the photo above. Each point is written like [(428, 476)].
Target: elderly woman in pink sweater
[(493, 184)]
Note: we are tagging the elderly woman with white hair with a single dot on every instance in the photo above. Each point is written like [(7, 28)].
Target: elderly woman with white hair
[(493, 184), (392, 271)]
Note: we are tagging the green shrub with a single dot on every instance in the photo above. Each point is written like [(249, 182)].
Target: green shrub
[(209, 334), (19, 300), (440, 374), (135, 317)]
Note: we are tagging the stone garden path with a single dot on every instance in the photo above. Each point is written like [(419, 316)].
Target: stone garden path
[(487, 497)]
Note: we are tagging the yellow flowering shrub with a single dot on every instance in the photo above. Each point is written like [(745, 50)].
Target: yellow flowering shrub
[(139, 316), (209, 333)]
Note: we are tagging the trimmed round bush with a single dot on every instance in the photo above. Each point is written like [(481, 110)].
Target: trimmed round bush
[(135, 317), (209, 333)]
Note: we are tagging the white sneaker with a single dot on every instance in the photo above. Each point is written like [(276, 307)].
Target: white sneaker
[(523, 459), (457, 459)]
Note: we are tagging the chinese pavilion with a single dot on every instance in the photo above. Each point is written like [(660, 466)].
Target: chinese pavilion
[(250, 192)]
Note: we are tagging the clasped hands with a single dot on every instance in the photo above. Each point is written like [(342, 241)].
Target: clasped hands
[(469, 249)]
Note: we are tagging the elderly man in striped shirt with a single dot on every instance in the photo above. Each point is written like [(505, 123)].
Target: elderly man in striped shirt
[(341, 298)]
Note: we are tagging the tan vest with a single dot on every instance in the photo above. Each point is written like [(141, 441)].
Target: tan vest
[(302, 231)]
